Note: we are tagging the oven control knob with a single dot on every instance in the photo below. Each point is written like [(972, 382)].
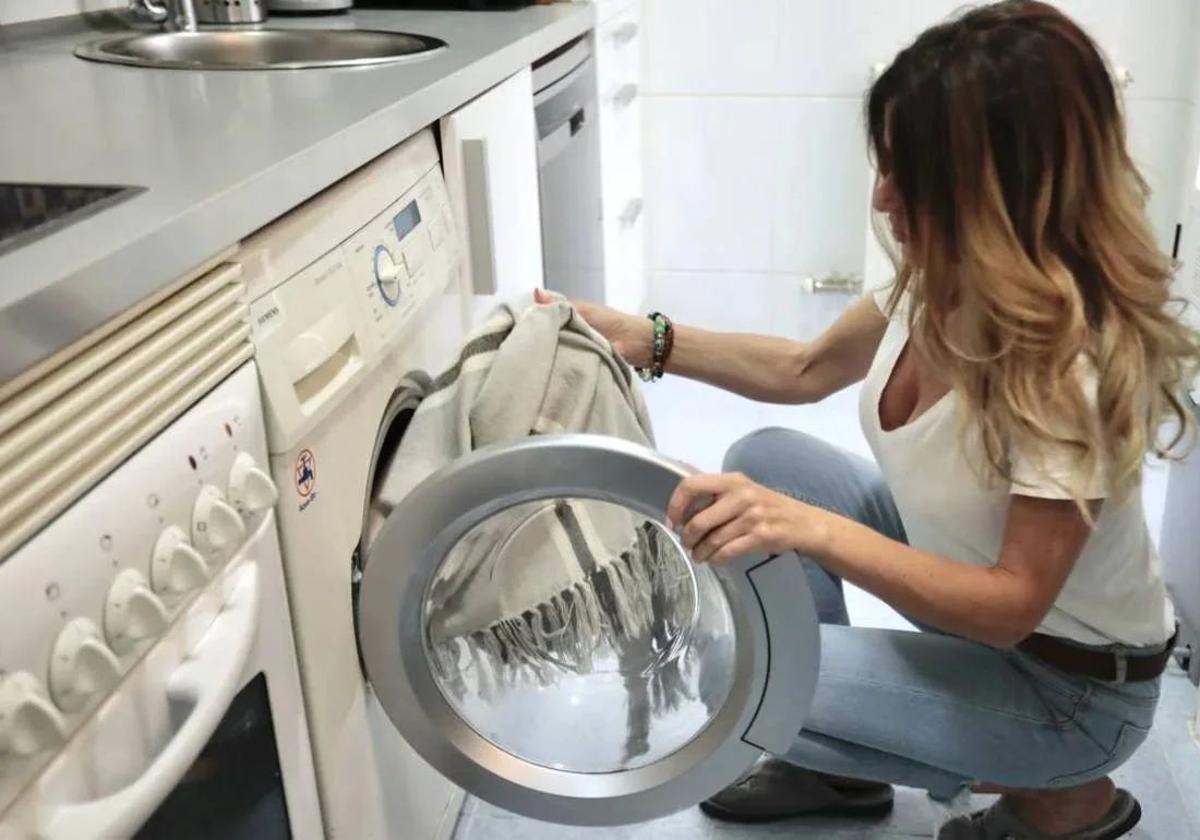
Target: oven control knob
[(81, 665), (216, 526), (250, 489), (29, 723), (387, 275), (132, 612), (176, 566)]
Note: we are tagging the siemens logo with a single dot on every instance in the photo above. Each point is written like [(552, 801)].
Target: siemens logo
[(268, 316)]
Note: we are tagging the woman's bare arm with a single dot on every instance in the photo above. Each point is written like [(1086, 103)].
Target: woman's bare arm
[(763, 368), (779, 370), (999, 605)]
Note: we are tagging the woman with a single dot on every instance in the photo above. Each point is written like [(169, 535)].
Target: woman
[(1014, 378)]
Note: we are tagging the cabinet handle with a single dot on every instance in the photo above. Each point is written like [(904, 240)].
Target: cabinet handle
[(631, 213), (835, 283), (625, 95), (479, 216), (625, 33)]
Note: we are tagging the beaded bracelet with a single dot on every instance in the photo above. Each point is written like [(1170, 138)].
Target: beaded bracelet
[(664, 343)]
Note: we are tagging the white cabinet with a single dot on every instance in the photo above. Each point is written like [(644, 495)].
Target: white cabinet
[(619, 76), (489, 155)]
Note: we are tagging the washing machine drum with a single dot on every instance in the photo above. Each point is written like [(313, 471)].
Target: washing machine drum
[(538, 636)]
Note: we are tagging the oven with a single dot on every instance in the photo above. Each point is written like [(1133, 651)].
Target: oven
[(148, 678)]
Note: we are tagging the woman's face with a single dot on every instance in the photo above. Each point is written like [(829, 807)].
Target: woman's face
[(886, 200)]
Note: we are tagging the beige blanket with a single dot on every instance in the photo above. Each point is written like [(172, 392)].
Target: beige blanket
[(547, 585)]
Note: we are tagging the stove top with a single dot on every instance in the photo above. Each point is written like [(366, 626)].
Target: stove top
[(30, 211)]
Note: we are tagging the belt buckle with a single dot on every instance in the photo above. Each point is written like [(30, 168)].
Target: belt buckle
[(1122, 663)]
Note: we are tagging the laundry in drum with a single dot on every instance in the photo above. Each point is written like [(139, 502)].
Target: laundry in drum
[(558, 608), (577, 603), (563, 585)]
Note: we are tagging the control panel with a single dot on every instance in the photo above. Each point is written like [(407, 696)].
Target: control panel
[(396, 261), (83, 600), (356, 286)]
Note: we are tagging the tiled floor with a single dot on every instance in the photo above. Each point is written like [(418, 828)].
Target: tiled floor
[(697, 424)]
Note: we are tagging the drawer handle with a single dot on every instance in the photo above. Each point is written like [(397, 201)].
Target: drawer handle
[(632, 212), (625, 33), (479, 215), (625, 95)]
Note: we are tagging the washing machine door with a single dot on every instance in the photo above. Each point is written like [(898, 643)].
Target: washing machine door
[(538, 636)]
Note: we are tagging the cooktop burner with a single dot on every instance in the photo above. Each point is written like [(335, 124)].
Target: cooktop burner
[(29, 211)]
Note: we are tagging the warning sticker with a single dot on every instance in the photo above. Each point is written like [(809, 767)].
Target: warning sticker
[(306, 473)]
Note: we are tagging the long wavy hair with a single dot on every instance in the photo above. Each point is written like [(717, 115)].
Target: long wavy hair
[(1030, 254)]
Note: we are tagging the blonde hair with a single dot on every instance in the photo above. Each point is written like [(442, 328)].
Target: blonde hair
[(1030, 248)]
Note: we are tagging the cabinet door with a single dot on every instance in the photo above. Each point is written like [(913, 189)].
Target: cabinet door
[(619, 74), (489, 155), (539, 637)]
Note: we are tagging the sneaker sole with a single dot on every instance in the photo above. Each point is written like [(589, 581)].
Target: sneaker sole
[(1128, 824), (873, 809)]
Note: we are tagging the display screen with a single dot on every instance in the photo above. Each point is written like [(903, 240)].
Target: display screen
[(234, 790), (407, 220)]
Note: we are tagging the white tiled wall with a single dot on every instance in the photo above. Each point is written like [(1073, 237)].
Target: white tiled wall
[(755, 157), (710, 169), (1188, 278)]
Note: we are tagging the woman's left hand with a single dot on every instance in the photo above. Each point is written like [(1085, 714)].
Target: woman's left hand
[(743, 518)]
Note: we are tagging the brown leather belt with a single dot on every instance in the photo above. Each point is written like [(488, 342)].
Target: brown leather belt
[(1098, 664)]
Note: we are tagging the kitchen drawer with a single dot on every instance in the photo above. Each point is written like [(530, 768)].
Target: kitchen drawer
[(606, 9), (625, 257), (621, 150), (619, 50)]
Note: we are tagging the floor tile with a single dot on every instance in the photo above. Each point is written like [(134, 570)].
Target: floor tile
[(911, 818), (1147, 775), (1180, 749)]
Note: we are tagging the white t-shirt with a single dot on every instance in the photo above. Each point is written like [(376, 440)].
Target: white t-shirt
[(1115, 592)]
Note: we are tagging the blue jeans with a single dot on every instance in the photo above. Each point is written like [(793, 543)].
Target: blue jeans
[(925, 709)]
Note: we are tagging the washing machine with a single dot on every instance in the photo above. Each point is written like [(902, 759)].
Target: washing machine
[(359, 303), (351, 291)]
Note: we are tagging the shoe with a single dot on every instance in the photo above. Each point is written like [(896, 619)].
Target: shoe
[(776, 790), (1000, 822)]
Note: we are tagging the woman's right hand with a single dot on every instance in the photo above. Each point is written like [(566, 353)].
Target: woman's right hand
[(631, 336)]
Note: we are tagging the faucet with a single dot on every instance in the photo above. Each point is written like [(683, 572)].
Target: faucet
[(175, 15)]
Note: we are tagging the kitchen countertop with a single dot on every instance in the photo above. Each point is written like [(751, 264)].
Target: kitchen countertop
[(220, 153)]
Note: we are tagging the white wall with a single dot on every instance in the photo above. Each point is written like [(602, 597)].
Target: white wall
[(1188, 276), (756, 169)]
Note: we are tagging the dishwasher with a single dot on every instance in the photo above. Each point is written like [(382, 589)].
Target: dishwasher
[(565, 102)]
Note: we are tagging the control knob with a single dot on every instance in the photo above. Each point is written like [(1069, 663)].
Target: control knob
[(29, 723), (250, 489), (216, 526), (132, 612), (176, 567), (81, 665), (387, 275)]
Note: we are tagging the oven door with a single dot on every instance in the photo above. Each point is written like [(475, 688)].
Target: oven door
[(536, 663), (205, 737)]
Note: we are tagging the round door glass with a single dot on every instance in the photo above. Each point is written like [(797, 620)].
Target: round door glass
[(577, 634)]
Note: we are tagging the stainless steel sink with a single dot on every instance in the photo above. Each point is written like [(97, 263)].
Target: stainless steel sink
[(260, 49)]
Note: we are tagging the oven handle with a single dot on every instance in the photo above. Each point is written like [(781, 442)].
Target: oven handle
[(204, 684)]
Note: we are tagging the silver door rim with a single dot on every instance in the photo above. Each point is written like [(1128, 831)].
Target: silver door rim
[(406, 555)]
